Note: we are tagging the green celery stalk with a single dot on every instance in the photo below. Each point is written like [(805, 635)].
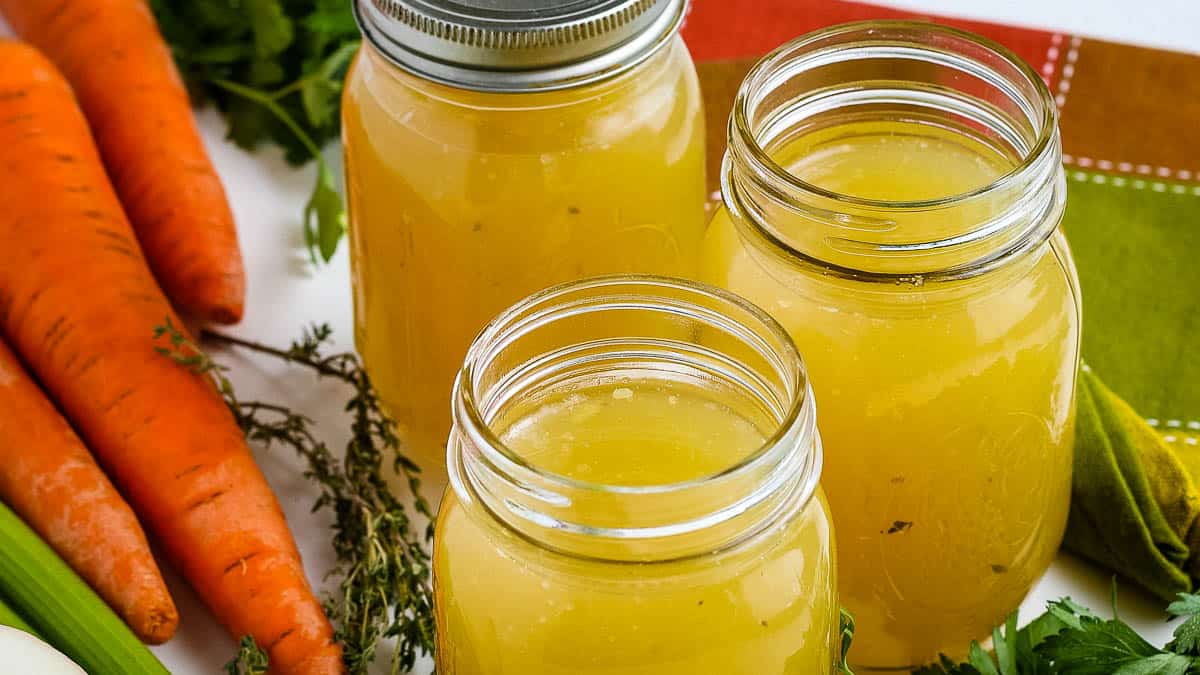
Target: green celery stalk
[(63, 609), (13, 620)]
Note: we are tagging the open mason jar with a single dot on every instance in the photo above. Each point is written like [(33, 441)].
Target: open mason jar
[(893, 193), (633, 467), (493, 149)]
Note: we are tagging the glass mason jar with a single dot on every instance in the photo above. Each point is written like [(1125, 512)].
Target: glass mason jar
[(633, 471), (491, 152), (892, 195)]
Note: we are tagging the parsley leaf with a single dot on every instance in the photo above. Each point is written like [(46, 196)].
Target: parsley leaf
[(1097, 647), (1187, 634), (846, 628), (275, 69), (323, 209), (1069, 639)]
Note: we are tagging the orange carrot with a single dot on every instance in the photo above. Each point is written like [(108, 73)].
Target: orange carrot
[(78, 304), (50, 479), (127, 83)]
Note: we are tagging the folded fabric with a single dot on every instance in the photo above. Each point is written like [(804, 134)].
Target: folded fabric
[(1134, 505)]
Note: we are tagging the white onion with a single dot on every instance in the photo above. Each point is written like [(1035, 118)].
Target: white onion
[(24, 653)]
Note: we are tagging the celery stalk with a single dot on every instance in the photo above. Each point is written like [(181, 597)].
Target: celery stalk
[(63, 609), (13, 620)]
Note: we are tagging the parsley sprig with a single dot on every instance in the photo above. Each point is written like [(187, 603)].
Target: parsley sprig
[(383, 564), (275, 69), (1068, 639)]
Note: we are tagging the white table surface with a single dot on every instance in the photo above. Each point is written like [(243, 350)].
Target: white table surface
[(286, 293)]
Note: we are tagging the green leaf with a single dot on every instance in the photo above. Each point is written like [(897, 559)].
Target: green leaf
[(846, 626), (275, 69), (1005, 646), (332, 22), (322, 90), (250, 660), (216, 15), (1097, 647), (1069, 612), (1029, 662), (946, 667), (219, 53), (265, 73), (1187, 634), (982, 661), (324, 217), (246, 122), (272, 28), (1159, 664)]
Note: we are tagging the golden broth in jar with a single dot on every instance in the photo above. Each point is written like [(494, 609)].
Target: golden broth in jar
[(463, 200), (667, 524), (919, 268)]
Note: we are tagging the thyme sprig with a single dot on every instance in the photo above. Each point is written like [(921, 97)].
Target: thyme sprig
[(382, 564), (250, 659)]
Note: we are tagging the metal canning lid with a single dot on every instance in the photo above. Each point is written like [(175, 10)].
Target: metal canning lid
[(517, 45)]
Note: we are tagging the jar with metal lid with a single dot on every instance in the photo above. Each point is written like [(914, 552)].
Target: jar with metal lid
[(495, 148), (634, 469), (892, 195)]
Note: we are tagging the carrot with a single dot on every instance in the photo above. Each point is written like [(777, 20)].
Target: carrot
[(51, 480), (78, 304), (129, 88)]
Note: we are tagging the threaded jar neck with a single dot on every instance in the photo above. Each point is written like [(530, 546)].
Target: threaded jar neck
[(635, 327), (882, 73)]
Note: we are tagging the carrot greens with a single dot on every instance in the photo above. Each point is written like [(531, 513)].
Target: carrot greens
[(383, 566)]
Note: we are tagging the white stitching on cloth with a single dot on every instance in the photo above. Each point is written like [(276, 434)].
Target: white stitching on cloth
[(1068, 71), (1135, 183), (1129, 167), (1052, 53)]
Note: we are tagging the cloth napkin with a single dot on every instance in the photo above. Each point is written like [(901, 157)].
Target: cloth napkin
[(1134, 504), (1130, 122)]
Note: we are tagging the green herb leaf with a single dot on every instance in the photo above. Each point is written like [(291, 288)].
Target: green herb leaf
[(270, 25), (322, 88), (275, 70), (1097, 647), (1005, 646), (1159, 664), (1068, 639), (1187, 634), (846, 628), (982, 661), (324, 218), (945, 666), (250, 660), (383, 567)]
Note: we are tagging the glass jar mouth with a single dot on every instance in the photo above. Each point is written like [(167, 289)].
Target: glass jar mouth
[(742, 132), (716, 509), (802, 410)]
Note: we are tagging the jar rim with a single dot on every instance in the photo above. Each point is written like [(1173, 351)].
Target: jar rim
[(740, 128), (669, 520), (801, 408)]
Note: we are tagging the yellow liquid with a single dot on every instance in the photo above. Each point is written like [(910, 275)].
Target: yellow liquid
[(946, 408), (505, 606), (462, 203)]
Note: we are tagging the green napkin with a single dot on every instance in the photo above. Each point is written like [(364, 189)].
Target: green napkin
[(1135, 503)]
